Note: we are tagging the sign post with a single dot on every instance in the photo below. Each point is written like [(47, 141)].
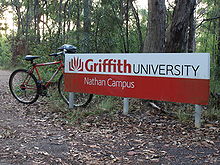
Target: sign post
[(198, 114), (125, 106), (71, 100)]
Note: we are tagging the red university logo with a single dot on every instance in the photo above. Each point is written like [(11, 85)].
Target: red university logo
[(76, 64)]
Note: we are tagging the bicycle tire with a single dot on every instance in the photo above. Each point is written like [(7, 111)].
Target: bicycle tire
[(80, 99), (18, 89)]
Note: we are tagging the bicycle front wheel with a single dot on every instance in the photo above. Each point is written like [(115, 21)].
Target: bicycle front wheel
[(23, 86), (80, 99)]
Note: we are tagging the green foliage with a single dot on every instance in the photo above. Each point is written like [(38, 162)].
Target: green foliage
[(5, 53), (183, 116), (42, 29), (99, 106), (212, 114), (208, 40), (108, 103)]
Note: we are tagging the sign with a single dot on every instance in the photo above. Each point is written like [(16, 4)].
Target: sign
[(175, 77)]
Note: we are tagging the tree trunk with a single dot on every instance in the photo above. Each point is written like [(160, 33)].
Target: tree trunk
[(137, 20), (60, 18), (64, 21), (218, 53), (78, 22), (192, 34), (37, 20), (127, 26), (17, 43), (217, 59), (178, 32), (27, 27), (87, 26), (155, 39)]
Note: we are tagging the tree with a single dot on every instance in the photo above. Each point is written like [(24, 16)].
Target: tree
[(155, 39), (178, 31), (87, 25), (93, 26), (192, 34), (138, 24)]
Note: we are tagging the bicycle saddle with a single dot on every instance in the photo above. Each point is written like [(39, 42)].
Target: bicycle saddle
[(30, 57), (68, 48)]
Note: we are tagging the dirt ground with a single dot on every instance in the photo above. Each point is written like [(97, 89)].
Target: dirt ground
[(32, 135)]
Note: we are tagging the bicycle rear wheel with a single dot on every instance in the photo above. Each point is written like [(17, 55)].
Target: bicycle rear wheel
[(80, 99), (23, 86)]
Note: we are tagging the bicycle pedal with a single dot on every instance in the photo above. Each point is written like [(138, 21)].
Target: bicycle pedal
[(44, 93), (48, 95)]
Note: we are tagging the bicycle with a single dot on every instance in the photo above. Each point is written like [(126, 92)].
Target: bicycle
[(26, 87)]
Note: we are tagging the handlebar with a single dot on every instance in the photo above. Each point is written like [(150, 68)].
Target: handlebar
[(56, 54), (64, 49)]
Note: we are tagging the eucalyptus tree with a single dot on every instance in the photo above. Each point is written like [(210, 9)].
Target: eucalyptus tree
[(87, 25), (155, 39), (178, 32)]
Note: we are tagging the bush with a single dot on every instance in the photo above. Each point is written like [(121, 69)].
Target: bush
[(5, 52)]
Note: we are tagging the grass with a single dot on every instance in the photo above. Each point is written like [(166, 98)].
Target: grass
[(212, 114), (78, 115), (109, 105), (213, 109), (99, 106), (183, 116)]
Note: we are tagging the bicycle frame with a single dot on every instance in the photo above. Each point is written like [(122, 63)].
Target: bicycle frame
[(35, 68)]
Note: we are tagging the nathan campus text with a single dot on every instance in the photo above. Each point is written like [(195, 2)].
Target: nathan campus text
[(175, 77)]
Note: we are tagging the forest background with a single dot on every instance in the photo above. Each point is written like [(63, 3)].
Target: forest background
[(112, 26)]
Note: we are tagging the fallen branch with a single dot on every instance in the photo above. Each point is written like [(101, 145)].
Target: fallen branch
[(161, 109)]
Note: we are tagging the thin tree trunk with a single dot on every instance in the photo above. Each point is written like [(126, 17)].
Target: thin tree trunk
[(78, 22), (87, 26), (120, 23), (137, 20), (96, 35), (192, 34), (219, 38), (27, 27), (64, 21), (16, 38), (37, 20), (217, 59), (60, 18), (127, 26)]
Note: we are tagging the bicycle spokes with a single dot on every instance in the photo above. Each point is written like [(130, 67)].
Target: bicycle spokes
[(80, 99), (23, 86)]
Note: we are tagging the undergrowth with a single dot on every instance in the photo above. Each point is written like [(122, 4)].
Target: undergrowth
[(212, 112), (99, 105), (110, 105)]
